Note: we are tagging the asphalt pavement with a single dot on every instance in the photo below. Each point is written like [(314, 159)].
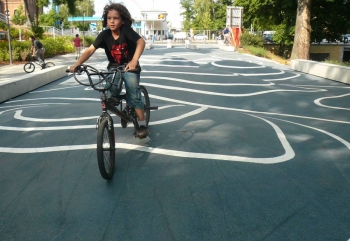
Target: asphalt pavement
[(241, 148)]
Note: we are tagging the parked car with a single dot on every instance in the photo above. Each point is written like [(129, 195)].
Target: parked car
[(200, 36), (169, 36)]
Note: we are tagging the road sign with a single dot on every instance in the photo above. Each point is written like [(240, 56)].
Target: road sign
[(234, 16)]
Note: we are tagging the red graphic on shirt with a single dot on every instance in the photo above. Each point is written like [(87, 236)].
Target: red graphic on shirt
[(120, 53)]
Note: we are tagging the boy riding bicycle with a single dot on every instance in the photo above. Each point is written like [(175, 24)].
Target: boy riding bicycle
[(123, 46)]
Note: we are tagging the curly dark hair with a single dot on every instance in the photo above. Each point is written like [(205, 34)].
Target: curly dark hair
[(122, 10)]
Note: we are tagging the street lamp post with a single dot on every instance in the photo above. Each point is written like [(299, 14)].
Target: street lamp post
[(83, 30), (8, 31)]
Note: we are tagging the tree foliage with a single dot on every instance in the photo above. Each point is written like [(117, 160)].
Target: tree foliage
[(204, 14)]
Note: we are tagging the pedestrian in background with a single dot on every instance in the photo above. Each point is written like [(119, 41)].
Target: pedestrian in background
[(77, 45)]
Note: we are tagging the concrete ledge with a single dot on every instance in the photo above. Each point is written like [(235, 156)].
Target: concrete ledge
[(28, 82), (324, 70)]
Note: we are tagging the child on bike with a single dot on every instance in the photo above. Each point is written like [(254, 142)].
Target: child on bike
[(123, 46), (37, 50)]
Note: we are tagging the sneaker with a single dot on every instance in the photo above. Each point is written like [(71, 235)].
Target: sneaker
[(143, 132)]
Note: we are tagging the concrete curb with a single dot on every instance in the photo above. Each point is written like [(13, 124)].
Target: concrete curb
[(324, 70), (12, 88)]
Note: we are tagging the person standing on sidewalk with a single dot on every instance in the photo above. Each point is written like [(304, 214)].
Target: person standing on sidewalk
[(77, 45), (37, 50), (123, 47)]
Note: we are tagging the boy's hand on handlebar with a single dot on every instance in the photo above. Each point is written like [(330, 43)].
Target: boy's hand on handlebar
[(71, 68), (131, 66)]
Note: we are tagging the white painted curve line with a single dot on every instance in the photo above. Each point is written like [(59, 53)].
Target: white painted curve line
[(237, 67), (221, 94), (54, 98), (288, 155), (168, 106), (24, 107), (18, 116), (32, 105), (173, 66), (242, 110), (70, 87), (191, 73), (262, 74), (203, 83), (347, 144), (318, 102), (287, 78), (76, 127), (160, 59), (180, 117)]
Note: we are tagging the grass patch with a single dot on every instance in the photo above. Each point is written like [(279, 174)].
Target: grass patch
[(261, 52), (347, 64)]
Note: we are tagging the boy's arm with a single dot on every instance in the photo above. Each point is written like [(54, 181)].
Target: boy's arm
[(140, 46), (85, 56)]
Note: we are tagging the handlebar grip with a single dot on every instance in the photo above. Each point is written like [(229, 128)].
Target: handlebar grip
[(67, 71)]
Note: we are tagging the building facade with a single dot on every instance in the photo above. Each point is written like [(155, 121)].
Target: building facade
[(13, 5)]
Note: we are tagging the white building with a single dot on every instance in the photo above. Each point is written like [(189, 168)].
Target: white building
[(147, 15)]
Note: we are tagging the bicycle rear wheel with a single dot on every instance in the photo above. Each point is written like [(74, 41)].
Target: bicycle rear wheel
[(49, 64), (29, 67), (146, 103), (106, 149)]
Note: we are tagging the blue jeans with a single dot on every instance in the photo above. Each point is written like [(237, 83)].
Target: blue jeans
[(133, 93)]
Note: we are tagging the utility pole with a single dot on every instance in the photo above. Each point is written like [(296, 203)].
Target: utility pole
[(83, 29), (8, 31)]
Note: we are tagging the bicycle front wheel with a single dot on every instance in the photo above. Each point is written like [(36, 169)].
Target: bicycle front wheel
[(29, 67), (146, 103), (106, 149), (49, 64)]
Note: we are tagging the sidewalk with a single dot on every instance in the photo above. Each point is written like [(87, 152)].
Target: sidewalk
[(11, 72)]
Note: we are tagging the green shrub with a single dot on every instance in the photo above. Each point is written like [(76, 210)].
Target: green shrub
[(338, 63), (258, 51), (248, 39), (21, 49), (38, 31)]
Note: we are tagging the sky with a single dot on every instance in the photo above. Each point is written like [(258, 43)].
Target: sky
[(172, 7)]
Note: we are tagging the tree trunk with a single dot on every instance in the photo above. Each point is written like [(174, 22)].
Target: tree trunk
[(26, 9), (302, 35)]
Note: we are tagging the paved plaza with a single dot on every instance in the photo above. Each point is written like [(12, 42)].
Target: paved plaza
[(241, 148)]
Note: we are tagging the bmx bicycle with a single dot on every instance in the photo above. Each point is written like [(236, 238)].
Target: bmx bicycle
[(102, 81), (30, 66)]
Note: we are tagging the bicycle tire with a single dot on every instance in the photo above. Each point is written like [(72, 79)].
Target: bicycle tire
[(29, 67), (146, 103), (49, 64), (105, 149)]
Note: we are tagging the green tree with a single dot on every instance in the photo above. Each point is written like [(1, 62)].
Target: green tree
[(188, 13), (19, 18)]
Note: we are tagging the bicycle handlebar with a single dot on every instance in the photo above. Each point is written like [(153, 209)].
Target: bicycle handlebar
[(91, 71)]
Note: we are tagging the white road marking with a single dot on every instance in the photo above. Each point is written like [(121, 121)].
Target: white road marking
[(76, 127), (191, 73), (237, 67), (223, 94), (289, 153), (262, 74), (203, 83), (20, 117), (287, 78), (318, 102), (347, 144)]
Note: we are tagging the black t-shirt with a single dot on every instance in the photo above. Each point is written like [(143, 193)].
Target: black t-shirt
[(119, 51)]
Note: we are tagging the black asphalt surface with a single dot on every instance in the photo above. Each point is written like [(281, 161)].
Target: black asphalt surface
[(241, 148)]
